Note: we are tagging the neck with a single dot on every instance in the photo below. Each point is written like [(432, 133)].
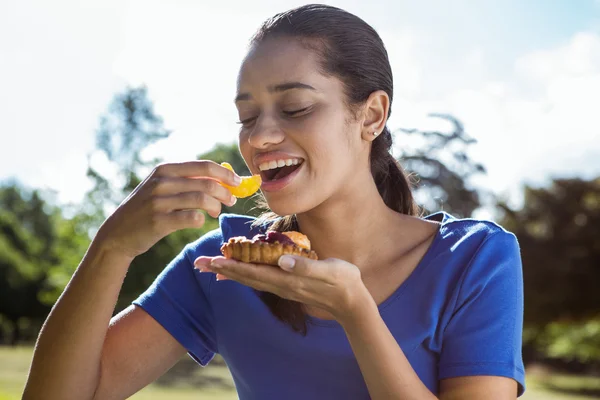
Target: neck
[(355, 226)]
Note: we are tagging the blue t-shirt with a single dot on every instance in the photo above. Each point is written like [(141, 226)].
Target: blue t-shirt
[(458, 314)]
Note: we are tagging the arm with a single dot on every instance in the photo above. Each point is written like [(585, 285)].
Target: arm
[(389, 375), (77, 355), (481, 352), (385, 368)]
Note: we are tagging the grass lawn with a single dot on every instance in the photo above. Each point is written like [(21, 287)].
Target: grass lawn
[(185, 381)]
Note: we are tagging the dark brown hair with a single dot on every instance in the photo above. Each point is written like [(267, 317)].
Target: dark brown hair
[(351, 50)]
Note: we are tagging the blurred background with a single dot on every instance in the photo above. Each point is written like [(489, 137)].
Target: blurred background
[(495, 113)]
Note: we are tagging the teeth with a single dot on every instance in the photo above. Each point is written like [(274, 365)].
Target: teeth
[(279, 163)]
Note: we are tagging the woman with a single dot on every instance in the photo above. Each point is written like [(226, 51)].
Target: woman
[(397, 307)]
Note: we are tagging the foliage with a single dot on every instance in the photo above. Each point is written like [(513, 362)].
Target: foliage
[(129, 126), (571, 341), (559, 235), (558, 230), (36, 241), (443, 168), (126, 130)]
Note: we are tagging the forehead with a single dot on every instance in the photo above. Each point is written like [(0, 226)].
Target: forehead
[(279, 60)]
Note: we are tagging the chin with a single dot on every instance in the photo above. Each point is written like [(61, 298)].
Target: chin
[(289, 205)]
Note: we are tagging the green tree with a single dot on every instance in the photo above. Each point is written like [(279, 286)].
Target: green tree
[(129, 126), (32, 249), (559, 234), (442, 168)]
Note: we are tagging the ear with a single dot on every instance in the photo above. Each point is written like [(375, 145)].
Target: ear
[(375, 114)]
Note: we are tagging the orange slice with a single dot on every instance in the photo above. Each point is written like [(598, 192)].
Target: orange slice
[(249, 185)]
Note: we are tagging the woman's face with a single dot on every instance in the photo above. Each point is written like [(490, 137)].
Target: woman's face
[(289, 110)]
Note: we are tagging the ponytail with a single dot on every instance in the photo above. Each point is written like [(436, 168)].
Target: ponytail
[(392, 182)]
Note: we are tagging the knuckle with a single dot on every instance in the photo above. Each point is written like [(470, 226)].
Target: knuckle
[(199, 198), (155, 183), (197, 218), (155, 204), (159, 169), (212, 186), (155, 222), (208, 166), (338, 273), (296, 285)]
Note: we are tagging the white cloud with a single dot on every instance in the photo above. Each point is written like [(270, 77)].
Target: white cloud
[(189, 59), (61, 65), (542, 121), (55, 80)]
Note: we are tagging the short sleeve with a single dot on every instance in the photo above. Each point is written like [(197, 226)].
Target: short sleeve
[(179, 300), (484, 334)]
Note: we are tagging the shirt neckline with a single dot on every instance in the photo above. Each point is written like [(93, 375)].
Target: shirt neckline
[(430, 254)]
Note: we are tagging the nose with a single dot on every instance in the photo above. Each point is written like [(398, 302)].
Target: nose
[(265, 133)]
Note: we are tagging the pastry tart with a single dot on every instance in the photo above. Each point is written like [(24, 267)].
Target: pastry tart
[(267, 248)]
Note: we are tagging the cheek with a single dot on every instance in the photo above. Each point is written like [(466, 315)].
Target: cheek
[(245, 148)]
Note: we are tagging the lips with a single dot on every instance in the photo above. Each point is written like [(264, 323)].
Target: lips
[(279, 182)]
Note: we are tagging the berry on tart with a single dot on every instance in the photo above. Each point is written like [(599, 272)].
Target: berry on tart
[(267, 248)]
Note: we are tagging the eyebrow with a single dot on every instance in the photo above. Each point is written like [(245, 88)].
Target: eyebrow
[(277, 88)]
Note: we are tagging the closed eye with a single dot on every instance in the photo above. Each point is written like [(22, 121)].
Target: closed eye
[(247, 121), (296, 112)]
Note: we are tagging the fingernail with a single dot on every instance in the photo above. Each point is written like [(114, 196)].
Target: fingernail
[(232, 201), (215, 264), (222, 277), (237, 179), (286, 262)]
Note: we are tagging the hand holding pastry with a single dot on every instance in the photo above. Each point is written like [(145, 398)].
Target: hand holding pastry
[(332, 284)]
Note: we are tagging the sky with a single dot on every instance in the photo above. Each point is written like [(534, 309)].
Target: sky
[(523, 77)]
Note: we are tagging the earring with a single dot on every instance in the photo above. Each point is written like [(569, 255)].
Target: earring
[(375, 133)]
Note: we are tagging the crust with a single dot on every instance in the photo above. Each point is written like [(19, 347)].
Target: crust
[(246, 250)]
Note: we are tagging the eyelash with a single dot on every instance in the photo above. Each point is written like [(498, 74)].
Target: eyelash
[(294, 112), (288, 113)]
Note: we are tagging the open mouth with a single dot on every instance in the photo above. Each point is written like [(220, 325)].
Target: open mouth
[(278, 173)]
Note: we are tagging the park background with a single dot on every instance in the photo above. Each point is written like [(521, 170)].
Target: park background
[(495, 113)]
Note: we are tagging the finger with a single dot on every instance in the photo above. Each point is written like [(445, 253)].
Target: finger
[(177, 220), (255, 275), (202, 262), (261, 285), (167, 186), (221, 277), (199, 168), (188, 201), (303, 266)]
